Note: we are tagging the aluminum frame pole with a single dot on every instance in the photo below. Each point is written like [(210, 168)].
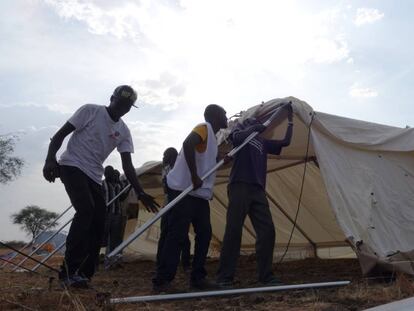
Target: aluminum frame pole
[(165, 209), (48, 256), (118, 195), (41, 244), (34, 239), (29, 257), (227, 292), (12, 263)]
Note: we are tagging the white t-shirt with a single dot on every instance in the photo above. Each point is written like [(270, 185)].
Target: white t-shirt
[(96, 135)]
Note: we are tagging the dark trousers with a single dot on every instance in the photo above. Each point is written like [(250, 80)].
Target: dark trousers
[(84, 239), (247, 199), (115, 231), (189, 210), (185, 251)]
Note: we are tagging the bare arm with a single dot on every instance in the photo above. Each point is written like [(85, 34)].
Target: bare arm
[(129, 171), (189, 145), (51, 169)]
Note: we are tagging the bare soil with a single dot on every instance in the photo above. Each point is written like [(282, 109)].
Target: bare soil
[(26, 291)]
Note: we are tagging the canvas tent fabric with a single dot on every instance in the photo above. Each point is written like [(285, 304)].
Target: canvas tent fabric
[(358, 190)]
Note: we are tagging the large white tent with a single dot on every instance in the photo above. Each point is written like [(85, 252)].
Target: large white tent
[(358, 191)]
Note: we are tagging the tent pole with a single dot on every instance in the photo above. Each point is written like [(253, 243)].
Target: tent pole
[(288, 165), (41, 244), (24, 268), (291, 220), (226, 292), (48, 256), (269, 171), (44, 230), (29, 257), (111, 256)]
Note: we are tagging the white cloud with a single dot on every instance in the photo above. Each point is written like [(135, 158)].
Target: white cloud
[(367, 16), (330, 50), (152, 138), (359, 92), (211, 36), (120, 21), (166, 91)]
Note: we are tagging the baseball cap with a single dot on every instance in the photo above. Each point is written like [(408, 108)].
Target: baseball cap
[(125, 93)]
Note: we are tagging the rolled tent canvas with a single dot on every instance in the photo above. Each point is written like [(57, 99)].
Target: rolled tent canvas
[(358, 191)]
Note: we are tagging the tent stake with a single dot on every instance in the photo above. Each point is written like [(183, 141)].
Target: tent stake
[(226, 292)]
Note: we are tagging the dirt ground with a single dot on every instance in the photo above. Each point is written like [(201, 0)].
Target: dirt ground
[(25, 291)]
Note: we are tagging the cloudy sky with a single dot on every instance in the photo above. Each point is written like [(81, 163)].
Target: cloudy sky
[(350, 58)]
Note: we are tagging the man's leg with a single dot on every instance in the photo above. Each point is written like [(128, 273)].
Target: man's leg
[(96, 231), (115, 237), (186, 253), (238, 194), (77, 187), (202, 227), (261, 219), (163, 235), (178, 222)]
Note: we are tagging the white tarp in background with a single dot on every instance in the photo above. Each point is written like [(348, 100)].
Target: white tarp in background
[(358, 190)]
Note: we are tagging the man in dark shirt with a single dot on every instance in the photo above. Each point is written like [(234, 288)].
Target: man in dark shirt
[(247, 196)]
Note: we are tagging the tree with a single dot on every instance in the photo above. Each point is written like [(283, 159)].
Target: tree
[(10, 167), (34, 219)]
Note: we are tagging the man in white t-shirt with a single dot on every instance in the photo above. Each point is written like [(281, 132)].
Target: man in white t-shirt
[(97, 131)]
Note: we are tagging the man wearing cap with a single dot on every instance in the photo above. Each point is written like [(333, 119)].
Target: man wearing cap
[(97, 131)]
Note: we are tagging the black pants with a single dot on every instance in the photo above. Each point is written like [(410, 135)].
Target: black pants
[(115, 231), (247, 199), (189, 210), (84, 239), (185, 251)]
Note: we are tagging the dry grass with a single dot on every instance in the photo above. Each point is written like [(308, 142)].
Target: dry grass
[(24, 291)]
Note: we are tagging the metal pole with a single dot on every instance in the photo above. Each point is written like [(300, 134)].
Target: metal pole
[(165, 209), (226, 292), (12, 263), (45, 229), (119, 194), (32, 258), (48, 256), (41, 244)]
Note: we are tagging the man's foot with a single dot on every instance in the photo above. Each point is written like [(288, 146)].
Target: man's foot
[(202, 284), (160, 287), (75, 281), (273, 281)]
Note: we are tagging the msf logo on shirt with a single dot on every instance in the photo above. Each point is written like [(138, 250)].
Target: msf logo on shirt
[(114, 135)]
